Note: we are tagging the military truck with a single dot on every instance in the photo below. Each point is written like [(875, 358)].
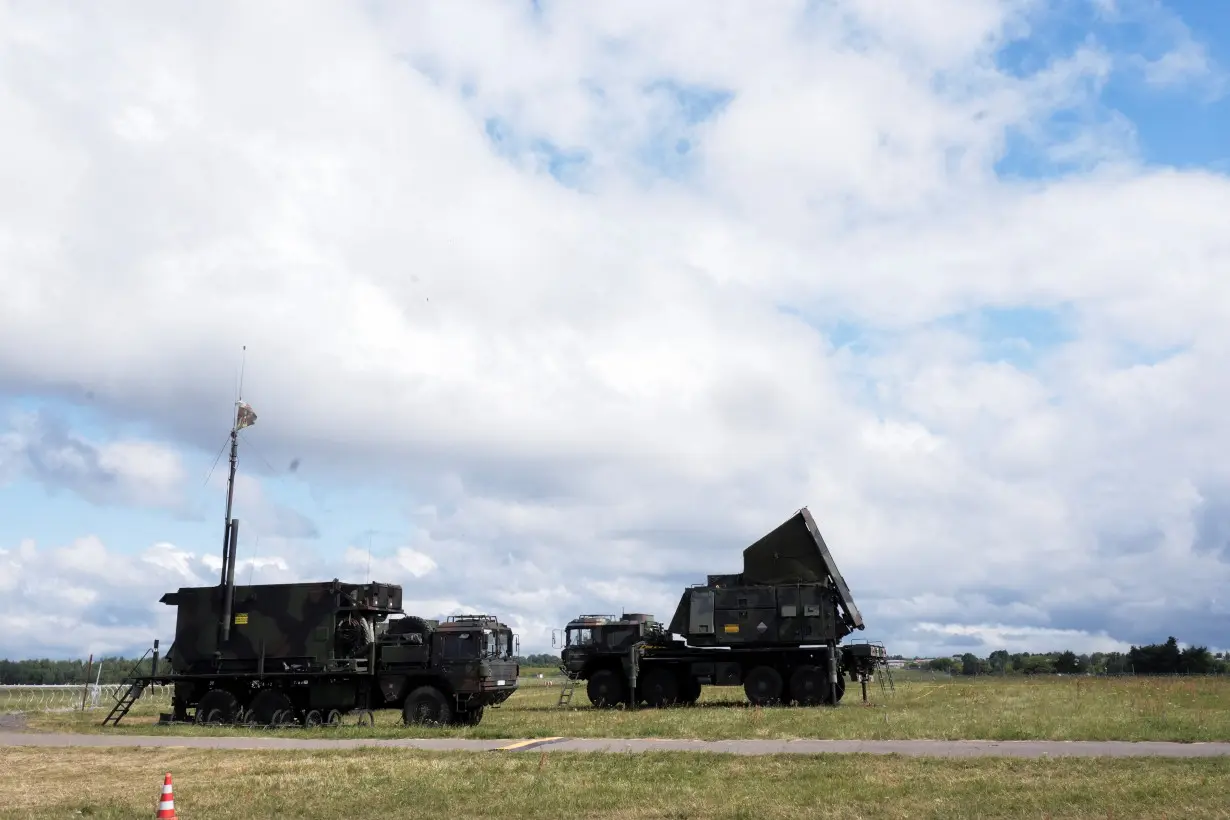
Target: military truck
[(310, 653), (772, 629)]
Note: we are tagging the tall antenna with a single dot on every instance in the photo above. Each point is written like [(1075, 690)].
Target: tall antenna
[(244, 417), (243, 360), (230, 481)]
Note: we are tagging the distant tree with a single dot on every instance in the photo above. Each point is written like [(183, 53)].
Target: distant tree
[(540, 660), (970, 664), (1196, 660), (998, 661), (1066, 663), (940, 665), (1155, 659), (1037, 665)]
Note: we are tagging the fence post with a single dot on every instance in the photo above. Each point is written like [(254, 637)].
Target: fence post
[(85, 689)]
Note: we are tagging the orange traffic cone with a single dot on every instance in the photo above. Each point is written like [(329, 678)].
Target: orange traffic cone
[(166, 806)]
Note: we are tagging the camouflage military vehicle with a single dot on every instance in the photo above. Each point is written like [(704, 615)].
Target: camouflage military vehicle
[(310, 653), (773, 629)]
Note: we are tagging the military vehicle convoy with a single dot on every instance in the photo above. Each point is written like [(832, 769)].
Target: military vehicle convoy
[(773, 629), (311, 653)]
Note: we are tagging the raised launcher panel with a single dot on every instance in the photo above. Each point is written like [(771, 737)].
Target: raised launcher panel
[(790, 592)]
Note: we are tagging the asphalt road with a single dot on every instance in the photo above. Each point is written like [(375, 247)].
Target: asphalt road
[(911, 748)]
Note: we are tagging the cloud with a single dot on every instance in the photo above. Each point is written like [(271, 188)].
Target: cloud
[(983, 639), (120, 471), (604, 293)]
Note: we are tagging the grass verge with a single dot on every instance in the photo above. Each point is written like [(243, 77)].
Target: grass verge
[(123, 783), (1132, 709)]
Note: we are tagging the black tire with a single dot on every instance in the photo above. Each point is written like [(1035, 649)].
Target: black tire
[(763, 686), (217, 706), (689, 690), (268, 707), (809, 686), (313, 718), (334, 719), (426, 706), (605, 689), (469, 717), (660, 688)]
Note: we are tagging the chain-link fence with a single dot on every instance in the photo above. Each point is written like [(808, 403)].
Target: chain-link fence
[(72, 697)]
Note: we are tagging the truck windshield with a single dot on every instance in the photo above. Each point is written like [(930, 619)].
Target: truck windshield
[(478, 643), (459, 645), (580, 636)]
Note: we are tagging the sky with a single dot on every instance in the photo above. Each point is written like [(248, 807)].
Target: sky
[(554, 308)]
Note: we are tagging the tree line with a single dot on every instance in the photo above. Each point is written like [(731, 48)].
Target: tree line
[(43, 671), (1152, 659)]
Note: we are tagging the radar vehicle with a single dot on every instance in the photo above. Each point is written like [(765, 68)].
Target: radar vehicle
[(773, 629)]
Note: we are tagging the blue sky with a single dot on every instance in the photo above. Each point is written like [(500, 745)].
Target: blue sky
[(560, 311)]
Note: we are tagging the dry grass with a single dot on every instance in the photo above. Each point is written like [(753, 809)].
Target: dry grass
[(123, 783), (1179, 709)]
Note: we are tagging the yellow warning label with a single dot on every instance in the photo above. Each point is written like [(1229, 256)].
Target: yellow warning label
[(731, 627), (241, 618)]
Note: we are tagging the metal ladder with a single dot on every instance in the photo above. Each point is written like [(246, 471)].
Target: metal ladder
[(565, 694), (135, 688), (885, 673), (124, 703)]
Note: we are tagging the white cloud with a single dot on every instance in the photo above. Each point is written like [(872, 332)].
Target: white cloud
[(594, 394), (119, 471), (1028, 639)]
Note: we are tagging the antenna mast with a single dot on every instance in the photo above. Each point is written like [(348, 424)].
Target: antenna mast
[(244, 417), (227, 546)]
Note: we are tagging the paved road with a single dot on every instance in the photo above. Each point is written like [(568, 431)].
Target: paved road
[(912, 748)]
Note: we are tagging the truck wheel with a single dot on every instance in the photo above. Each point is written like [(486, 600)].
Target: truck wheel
[(427, 706), (469, 717), (605, 689), (689, 690), (217, 706), (763, 686), (809, 685), (660, 688), (268, 707)]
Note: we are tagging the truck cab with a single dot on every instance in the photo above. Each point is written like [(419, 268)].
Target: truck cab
[(602, 650), (481, 648)]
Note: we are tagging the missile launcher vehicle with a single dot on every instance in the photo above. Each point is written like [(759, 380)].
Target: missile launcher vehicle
[(773, 629)]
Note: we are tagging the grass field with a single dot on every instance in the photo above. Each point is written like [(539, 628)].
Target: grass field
[(124, 783), (1040, 708)]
